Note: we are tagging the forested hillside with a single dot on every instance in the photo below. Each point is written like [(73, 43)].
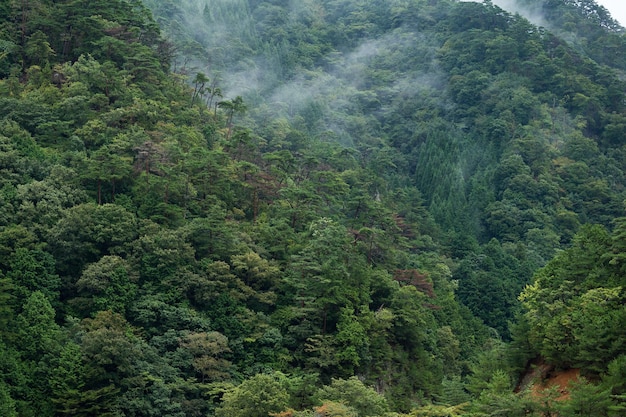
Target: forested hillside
[(242, 208)]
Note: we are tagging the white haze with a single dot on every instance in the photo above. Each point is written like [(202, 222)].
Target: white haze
[(617, 8), (338, 87), (329, 99), (309, 86), (256, 79), (334, 88), (534, 16)]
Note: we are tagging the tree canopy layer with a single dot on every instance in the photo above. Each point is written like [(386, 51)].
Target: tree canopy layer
[(315, 208)]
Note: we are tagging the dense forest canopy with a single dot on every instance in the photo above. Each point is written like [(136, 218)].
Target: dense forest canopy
[(311, 208)]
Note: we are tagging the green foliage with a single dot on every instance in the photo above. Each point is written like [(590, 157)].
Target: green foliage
[(438, 411), (208, 350), (86, 232), (67, 382), (8, 404), (574, 305), (488, 365), (354, 394), (453, 392), (499, 400), (33, 270), (489, 282), (106, 285), (335, 409), (350, 192), (255, 397), (39, 338), (588, 399), (38, 333)]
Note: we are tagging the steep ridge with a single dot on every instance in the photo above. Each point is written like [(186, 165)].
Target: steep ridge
[(287, 208)]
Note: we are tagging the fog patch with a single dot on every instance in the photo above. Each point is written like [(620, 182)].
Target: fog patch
[(343, 93), (532, 14)]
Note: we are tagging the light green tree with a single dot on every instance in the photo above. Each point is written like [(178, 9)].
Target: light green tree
[(7, 404), (257, 396), (588, 399), (354, 394)]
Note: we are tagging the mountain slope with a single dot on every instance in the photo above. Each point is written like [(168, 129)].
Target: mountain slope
[(485, 114), (326, 207)]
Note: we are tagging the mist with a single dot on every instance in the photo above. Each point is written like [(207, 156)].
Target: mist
[(337, 93), (532, 14)]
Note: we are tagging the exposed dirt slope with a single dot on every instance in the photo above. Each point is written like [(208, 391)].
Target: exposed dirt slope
[(542, 377)]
